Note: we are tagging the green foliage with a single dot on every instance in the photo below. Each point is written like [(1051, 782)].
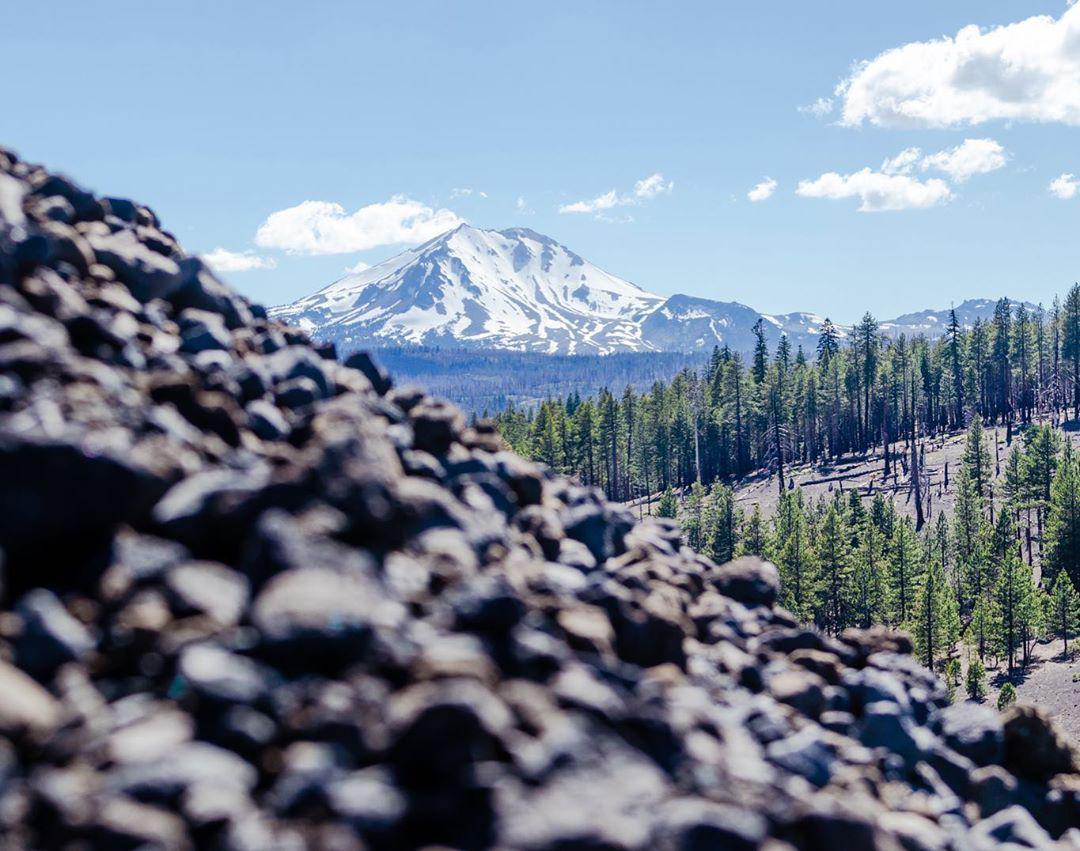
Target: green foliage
[(976, 679), (952, 677), (669, 504), (1063, 523), (835, 608), (1062, 610), (1006, 697), (935, 625)]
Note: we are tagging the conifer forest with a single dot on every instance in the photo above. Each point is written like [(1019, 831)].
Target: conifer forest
[(982, 580)]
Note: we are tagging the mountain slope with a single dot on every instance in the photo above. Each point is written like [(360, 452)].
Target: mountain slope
[(513, 289), (520, 290)]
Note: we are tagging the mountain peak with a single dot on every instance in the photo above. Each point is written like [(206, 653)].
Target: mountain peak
[(514, 288), (519, 289)]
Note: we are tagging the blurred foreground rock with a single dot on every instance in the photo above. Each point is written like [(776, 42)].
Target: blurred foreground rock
[(253, 598)]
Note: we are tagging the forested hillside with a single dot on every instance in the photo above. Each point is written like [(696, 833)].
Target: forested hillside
[(484, 381), (995, 570)]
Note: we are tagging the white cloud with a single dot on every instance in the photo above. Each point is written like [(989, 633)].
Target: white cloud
[(903, 162), (970, 157), (465, 192), (644, 190), (877, 191), (762, 191), (819, 108), (653, 185), (223, 260), (600, 202), (1065, 186), (522, 206), (322, 227), (357, 267), (1026, 71)]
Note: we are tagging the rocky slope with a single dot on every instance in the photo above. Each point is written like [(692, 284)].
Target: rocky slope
[(257, 599)]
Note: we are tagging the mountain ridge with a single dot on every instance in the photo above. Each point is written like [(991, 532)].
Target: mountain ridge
[(519, 290)]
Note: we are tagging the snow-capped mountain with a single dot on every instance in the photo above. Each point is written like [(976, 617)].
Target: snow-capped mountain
[(518, 289), (935, 322), (511, 289)]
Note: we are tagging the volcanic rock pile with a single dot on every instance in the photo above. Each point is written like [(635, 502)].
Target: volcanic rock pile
[(257, 599)]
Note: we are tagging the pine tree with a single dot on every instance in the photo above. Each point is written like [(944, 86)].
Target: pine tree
[(835, 566), (753, 534), (935, 625), (725, 531), (1063, 610), (976, 460), (669, 504), (1063, 522), (1013, 596), (692, 519), (976, 679), (868, 603), (794, 557), (905, 573), (1006, 697), (761, 352)]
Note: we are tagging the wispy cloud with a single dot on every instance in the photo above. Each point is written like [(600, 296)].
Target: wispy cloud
[(1025, 71), (223, 260), (644, 190), (323, 227), (762, 191), (466, 192), (819, 108), (522, 208)]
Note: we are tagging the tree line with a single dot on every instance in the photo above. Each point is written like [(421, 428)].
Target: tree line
[(860, 391), (973, 575), (1000, 571)]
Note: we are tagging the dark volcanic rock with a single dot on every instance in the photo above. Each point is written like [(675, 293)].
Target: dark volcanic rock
[(253, 598)]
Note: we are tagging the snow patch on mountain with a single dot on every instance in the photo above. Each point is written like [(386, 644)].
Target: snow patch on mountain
[(518, 289)]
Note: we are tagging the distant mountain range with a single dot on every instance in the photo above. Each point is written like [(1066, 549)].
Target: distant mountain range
[(520, 290)]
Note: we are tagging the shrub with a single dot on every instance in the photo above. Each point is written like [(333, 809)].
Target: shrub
[(1007, 696)]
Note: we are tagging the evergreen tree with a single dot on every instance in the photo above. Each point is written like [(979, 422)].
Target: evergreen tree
[(725, 531), (1013, 595), (669, 504), (1063, 522), (977, 463), (834, 612), (795, 557), (976, 679), (1063, 610), (905, 573), (868, 588), (935, 625), (753, 534)]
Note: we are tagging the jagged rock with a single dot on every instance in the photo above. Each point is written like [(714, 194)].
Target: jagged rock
[(974, 731), (1033, 746), (24, 705)]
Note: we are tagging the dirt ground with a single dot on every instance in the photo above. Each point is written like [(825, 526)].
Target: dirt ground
[(867, 474), (1051, 681)]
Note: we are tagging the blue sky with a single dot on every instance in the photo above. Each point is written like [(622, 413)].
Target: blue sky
[(222, 114)]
